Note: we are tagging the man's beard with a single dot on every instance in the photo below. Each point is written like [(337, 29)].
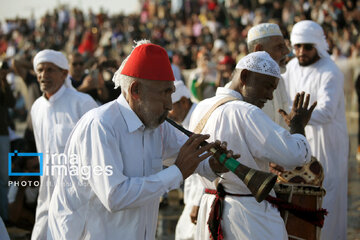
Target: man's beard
[(150, 121), (309, 62)]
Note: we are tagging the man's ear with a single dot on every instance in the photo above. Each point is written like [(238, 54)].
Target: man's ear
[(244, 76), (134, 90), (258, 47)]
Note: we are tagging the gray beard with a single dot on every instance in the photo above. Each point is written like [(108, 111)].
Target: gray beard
[(282, 69)]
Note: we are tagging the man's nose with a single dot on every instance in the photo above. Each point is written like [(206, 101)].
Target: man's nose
[(168, 104), (270, 95), (286, 50), (301, 49)]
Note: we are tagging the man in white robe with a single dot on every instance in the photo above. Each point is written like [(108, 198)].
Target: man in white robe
[(53, 115), (314, 72), (193, 189), (246, 128), (122, 144), (268, 37)]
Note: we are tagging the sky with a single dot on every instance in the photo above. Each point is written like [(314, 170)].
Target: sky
[(24, 8)]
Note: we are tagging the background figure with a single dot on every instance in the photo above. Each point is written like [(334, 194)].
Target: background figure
[(203, 78), (224, 69), (92, 83), (7, 101), (314, 72), (193, 189), (54, 115), (22, 199), (23, 67)]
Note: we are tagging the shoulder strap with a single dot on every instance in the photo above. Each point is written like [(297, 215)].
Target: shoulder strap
[(201, 124)]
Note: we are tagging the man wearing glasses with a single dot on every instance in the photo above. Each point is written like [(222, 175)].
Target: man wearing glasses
[(315, 73), (92, 83)]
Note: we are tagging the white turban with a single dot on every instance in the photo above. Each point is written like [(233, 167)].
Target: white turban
[(260, 62), (181, 91), (263, 30), (308, 31), (56, 58)]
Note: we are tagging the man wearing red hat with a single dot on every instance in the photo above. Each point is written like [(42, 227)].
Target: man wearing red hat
[(123, 144)]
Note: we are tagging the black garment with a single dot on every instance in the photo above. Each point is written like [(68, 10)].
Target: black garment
[(7, 101)]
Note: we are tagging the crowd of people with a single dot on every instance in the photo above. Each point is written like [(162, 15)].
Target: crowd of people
[(57, 68)]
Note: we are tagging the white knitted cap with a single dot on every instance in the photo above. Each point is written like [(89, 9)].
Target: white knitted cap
[(263, 30), (260, 62)]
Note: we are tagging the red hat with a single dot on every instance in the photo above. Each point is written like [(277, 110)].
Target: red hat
[(149, 61), (227, 60)]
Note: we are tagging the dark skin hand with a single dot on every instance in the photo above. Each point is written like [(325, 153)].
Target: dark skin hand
[(300, 114), (194, 214), (191, 154), (297, 119), (215, 165)]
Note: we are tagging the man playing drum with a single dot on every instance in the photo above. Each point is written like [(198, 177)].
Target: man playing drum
[(259, 140)]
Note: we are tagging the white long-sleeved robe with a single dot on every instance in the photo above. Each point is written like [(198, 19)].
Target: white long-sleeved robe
[(326, 133), (53, 121), (250, 132), (193, 191), (123, 204)]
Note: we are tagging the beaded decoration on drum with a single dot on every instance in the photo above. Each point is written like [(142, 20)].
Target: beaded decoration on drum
[(311, 173)]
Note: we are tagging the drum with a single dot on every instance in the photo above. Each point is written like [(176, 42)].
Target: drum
[(306, 196)]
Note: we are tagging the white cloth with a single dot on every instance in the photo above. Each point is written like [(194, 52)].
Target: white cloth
[(260, 62), (53, 121), (123, 204), (186, 122), (193, 191), (181, 91), (250, 132), (263, 30), (327, 134), (52, 56), (279, 101), (308, 31)]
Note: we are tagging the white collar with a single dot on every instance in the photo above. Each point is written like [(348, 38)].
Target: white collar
[(56, 95), (226, 91), (132, 121)]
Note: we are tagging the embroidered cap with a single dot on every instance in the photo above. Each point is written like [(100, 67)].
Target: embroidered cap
[(259, 62), (263, 30)]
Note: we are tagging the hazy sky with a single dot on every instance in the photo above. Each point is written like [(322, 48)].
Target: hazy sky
[(24, 8)]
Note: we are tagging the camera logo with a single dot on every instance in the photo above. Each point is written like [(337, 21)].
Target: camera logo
[(16, 154)]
